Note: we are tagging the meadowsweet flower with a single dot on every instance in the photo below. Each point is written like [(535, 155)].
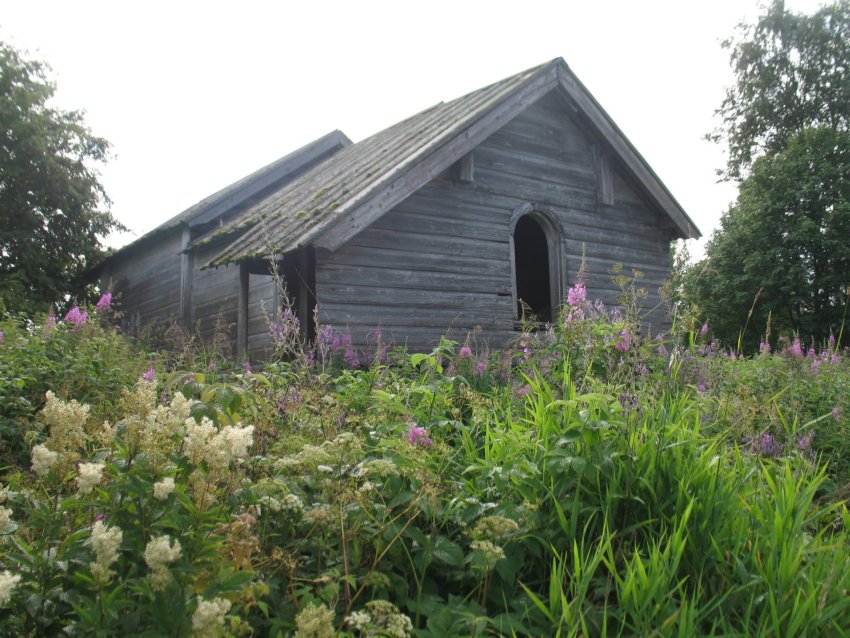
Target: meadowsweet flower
[(5, 518), (8, 582), (163, 489), (159, 553), (292, 503), (380, 618), (208, 619), (76, 317), (576, 295), (418, 436), (43, 459), (465, 352), (314, 621), (320, 516), (88, 476), (104, 304), (488, 550), (149, 375), (105, 542), (495, 528)]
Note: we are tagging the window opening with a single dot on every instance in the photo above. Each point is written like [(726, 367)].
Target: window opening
[(531, 259)]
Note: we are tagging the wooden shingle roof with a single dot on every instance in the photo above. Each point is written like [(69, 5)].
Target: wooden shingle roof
[(336, 199)]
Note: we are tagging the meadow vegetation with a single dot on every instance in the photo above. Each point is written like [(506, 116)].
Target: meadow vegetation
[(591, 480)]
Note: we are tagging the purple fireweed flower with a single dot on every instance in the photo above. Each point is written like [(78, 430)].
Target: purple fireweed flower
[(576, 295), (624, 341), (76, 317), (149, 375), (326, 335), (465, 352), (804, 444), (2, 336), (764, 347), (104, 304), (811, 352), (704, 330), (377, 334), (188, 380), (796, 348), (246, 368), (418, 437), (831, 341), (481, 368), (836, 413), (523, 391), (765, 445)]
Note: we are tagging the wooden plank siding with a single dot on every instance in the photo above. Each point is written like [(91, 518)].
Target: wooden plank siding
[(439, 262), (147, 284)]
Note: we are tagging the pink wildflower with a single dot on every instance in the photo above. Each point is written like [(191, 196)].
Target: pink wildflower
[(418, 436), (523, 391), (764, 347), (2, 336), (704, 330), (465, 352), (76, 317), (150, 375), (104, 304), (576, 295), (481, 368), (624, 342), (836, 413), (796, 348)]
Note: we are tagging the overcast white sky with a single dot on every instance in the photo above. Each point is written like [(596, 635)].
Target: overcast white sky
[(195, 95)]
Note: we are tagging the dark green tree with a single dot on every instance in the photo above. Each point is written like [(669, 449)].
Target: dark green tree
[(792, 72), (53, 212), (782, 250)]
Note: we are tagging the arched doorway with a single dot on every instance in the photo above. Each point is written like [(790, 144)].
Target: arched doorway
[(532, 269)]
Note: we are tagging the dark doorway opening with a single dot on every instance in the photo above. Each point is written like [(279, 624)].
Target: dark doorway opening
[(531, 259)]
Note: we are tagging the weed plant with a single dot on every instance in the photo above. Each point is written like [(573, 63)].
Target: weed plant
[(588, 481)]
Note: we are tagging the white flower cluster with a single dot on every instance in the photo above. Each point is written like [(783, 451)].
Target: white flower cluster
[(380, 618), (378, 468), (43, 459), (341, 452), (208, 619), (5, 518), (159, 553), (8, 582), (105, 542), (314, 621), (67, 437), (155, 429), (88, 476), (217, 448), (495, 528), (489, 551), (163, 489)]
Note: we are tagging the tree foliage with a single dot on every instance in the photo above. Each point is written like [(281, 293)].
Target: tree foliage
[(52, 205), (782, 250), (792, 72)]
